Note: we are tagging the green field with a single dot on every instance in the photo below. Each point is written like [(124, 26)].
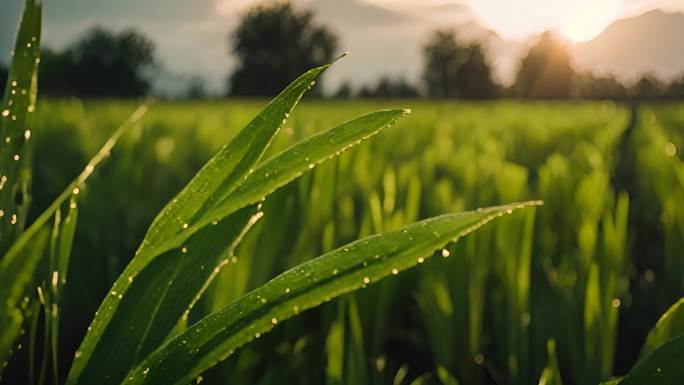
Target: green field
[(592, 269)]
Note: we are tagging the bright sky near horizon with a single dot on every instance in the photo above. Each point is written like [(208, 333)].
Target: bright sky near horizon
[(577, 20), (192, 36)]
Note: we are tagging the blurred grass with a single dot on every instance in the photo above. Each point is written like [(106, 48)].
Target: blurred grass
[(482, 316)]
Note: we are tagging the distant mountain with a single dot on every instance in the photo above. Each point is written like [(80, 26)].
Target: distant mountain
[(649, 43), (354, 12)]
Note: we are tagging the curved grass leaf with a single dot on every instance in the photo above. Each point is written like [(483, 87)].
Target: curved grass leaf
[(221, 175), (159, 296), (286, 166), (17, 268), (670, 325), (19, 101), (157, 310), (664, 366), (346, 269), (58, 275)]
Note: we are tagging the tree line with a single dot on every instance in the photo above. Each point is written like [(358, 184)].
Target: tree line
[(275, 42)]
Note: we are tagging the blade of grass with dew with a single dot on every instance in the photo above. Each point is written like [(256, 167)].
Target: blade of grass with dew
[(670, 325), (219, 176), (186, 281), (19, 102), (293, 162), (351, 267), (19, 264), (57, 276), (664, 366), (160, 295)]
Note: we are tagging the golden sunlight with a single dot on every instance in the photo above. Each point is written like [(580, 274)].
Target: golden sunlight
[(577, 20)]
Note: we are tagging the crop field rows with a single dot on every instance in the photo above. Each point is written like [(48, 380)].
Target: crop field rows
[(478, 314)]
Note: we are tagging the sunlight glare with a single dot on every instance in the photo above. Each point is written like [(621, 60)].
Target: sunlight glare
[(588, 22), (577, 20)]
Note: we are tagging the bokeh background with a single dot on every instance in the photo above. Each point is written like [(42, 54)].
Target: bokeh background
[(576, 103)]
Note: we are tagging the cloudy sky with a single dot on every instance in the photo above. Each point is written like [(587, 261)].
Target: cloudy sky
[(384, 36)]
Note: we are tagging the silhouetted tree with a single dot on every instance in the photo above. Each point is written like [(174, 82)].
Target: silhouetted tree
[(100, 64), (591, 86), (676, 89), (545, 72), (56, 73), (388, 88), (648, 87), (344, 91), (453, 70), (274, 44), (197, 89)]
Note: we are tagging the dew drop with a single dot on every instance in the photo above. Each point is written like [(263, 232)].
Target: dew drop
[(670, 149)]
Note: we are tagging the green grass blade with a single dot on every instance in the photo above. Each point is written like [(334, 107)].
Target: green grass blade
[(334, 344), (19, 102), (612, 381), (59, 264), (346, 269), (66, 241), (551, 373), (217, 178), (273, 173), (159, 296), (12, 289), (664, 366), (18, 265), (670, 325), (294, 161), (222, 173)]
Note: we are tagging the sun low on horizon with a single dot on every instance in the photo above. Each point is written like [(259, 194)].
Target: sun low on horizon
[(577, 20)]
